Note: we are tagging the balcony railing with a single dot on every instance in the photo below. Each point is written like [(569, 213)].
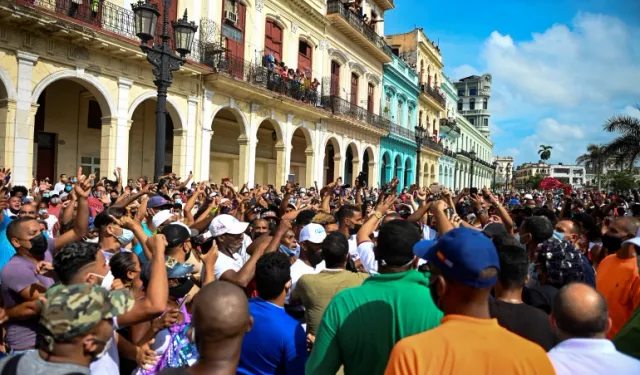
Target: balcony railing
[(260, 76), (451, 123), (341, 107), (434, 94), (338, 7), (432, 144), (449, 153), (401, 131)]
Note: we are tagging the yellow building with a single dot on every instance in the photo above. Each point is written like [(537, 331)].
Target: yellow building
[(425, 57), (526, 170), (75, 90)]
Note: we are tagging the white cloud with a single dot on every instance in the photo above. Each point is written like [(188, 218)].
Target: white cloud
[(564, 66), (464, 71), (631, 111)]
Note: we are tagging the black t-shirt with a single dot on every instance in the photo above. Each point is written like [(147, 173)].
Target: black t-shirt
[(540, 296), (525, 321)]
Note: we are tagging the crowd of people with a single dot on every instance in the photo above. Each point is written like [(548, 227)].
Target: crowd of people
[(177, 277)]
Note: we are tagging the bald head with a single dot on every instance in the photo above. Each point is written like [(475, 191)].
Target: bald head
[(579, 311), (220, 312)]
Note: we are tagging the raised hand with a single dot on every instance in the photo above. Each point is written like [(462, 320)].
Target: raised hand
[(4, 173), (146, 358), (82, 187)]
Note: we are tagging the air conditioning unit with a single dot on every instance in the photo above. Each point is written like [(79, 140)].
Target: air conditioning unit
[(231, 16)]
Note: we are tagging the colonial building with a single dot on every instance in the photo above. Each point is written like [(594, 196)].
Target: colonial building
[(400, 107), (526, 170), (574, 175), (425, 58), (504, 171), (450, 132), (77, 91)]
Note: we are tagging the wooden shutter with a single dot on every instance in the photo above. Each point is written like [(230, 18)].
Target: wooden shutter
[(354, 89), (305, 57), (370, 98), (335, 78), (273, 40)]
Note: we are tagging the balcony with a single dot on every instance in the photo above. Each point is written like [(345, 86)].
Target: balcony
[(402, 132), (449, 153), (433, 145), (450, 123), (345, 20), (344, 109), (435, 95), (484, 112)]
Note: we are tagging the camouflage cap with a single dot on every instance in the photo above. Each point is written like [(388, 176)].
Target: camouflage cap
[(72, 310)]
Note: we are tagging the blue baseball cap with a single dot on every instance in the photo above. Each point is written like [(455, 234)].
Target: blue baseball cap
[(462, 254), (158, 201)]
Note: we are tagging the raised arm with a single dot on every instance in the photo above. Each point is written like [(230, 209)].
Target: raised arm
[(82, 188)]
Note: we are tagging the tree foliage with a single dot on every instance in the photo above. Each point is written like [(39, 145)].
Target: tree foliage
[(545, 152), (625, 149)]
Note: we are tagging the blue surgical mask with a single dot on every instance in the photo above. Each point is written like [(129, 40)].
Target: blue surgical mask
[(67, 188), (126, 237), (42, 212), (286, 250), (558, 235), (178, 201), (45, 195)]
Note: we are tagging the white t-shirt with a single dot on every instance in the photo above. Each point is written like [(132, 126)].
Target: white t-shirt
[(428, 233), (51, 222), (353, 248), (298, 268), (368, 258), (225, 262), (109, 363)]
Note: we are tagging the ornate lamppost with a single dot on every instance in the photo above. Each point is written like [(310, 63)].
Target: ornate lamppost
[(419, 133), (495, 168), (472, 156), (164, 60)]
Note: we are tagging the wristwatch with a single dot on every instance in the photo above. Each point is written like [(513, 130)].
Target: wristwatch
[(378, 215)]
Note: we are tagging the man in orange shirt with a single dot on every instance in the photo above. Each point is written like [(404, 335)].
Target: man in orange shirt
[(617, 277), (464, 267)]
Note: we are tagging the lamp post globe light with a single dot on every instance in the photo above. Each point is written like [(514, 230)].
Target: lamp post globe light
[(419, 133), (164, 60), (472, 156)]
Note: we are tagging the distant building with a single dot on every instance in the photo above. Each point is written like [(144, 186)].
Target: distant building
[(575, 175), (473, 100), (504, 171), (526, 170)]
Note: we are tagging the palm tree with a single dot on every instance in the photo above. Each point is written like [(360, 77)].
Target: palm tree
[(625, 149), (545, 152), (595, 158)]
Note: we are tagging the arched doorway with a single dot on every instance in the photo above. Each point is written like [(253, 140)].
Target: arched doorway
[(269, 155), (433, 174), (351, 164), (229, 145), (408, 172), (426, 181), (142, 140), (301, 163), (368, 166), (399, 171), (385, 169), (68, 129), (331, 160)]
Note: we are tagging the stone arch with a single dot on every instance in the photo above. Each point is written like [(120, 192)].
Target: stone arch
[(352, 162), (336, 54), (386, 168), (302, 156), (277, 127), (373, 78), (172, 107), (275, 18), (308, 134), (307, 38), (7, 89), (240, 117), (91, 83), (358, 68), (332, 159)]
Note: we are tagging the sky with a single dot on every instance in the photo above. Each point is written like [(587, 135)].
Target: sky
[(560, 68)]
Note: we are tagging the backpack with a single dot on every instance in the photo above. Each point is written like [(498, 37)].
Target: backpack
[(11, 367)]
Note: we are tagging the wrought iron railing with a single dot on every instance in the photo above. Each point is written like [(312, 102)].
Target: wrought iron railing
[(434, 94), (306, 91), (450, 123), (401, 131), (341, 107), (432, 144), (341, 8), (449, 153)]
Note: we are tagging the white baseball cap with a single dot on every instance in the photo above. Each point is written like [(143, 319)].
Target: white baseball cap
[(223, 224), (528, 196), (313, 233), (162, 216)]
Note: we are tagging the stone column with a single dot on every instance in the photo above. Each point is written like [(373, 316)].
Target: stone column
[(7, 126), (190, 146), (123, 128), (179, 160), (108, 139), (205, 154), (247, 159), (355, 170), (309, 167), (204, 145), (282, 173), (25, 111)]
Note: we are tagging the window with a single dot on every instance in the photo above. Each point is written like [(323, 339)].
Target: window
[(460, 105), (233, 31), (94, 118), (473, 92), (486, 122), (484, 103), (273, 40), (90, 165), (305, 58), (395, 50), (460, 92), (472, 121), (472, 104), (421, 72), (335, 78), (399, 111), (354, 89), (409, 112), (387, 107), (370, 102), (420, 118)]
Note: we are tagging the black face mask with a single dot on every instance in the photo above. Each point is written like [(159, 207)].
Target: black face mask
[(181, 289), (39, 245), (611, 243), (355, 229)]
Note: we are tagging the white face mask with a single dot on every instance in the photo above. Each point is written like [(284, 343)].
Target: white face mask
[(105, 349), (107, 280)]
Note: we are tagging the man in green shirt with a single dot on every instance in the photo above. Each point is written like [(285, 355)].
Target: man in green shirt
[(362, 324)]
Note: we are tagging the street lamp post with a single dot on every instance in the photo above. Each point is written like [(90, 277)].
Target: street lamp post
[(420, 130), (472, 156), (164, 60), (495, 168)]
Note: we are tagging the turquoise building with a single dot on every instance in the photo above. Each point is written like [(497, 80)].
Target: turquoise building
[(399, 106)]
